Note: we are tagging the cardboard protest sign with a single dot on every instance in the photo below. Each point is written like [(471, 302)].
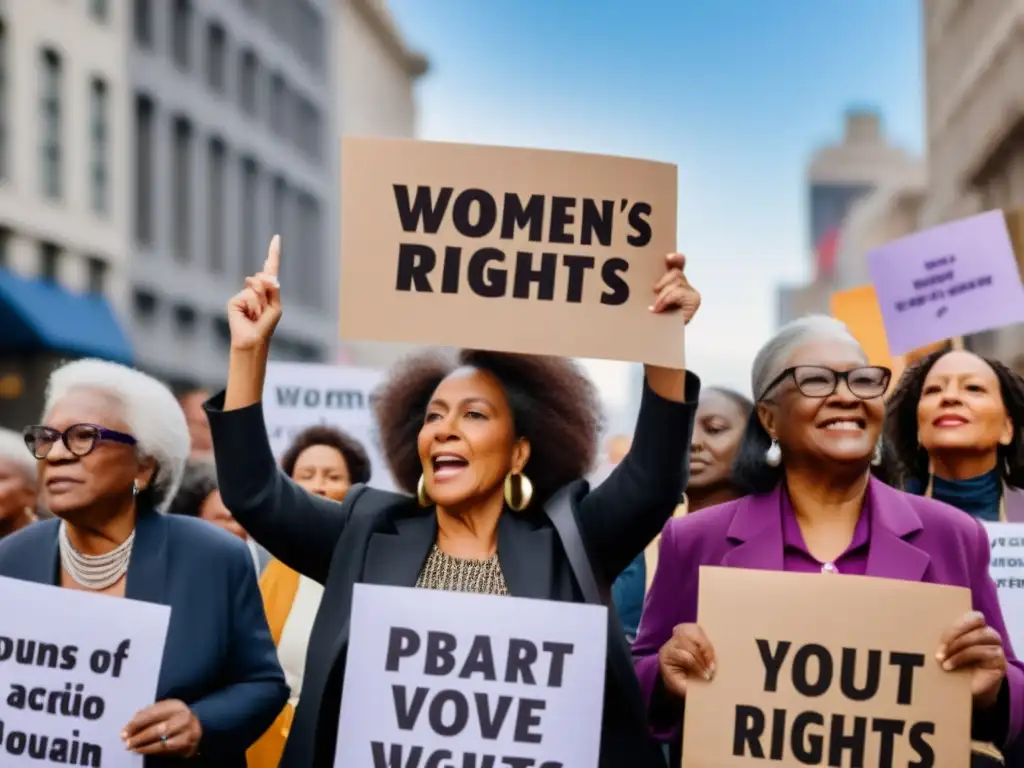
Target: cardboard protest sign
[(75, 667), (447, 678), (301, 395), (515, 250), (815, 669), (951, 280), (1007, 570)]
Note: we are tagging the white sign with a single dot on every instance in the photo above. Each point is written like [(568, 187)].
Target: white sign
[(1007, 570), (75, 667), (447, 678), (301, 395)]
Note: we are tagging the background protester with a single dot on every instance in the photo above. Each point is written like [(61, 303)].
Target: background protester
[(326, 462), (111, 451), (805, 457), (482, 444), (17, 484), (956, 426), (198, 496), (721, 416), (191, 401)]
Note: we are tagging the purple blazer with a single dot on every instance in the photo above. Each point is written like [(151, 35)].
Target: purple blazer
[(912, 538)]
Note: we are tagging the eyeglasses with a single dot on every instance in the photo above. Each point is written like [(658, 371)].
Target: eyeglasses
[(79, 439), (817, 381)]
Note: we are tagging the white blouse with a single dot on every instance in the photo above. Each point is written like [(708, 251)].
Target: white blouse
[(291, 649)]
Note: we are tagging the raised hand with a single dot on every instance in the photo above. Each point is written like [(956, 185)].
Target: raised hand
[(673, 291), (254, 312)]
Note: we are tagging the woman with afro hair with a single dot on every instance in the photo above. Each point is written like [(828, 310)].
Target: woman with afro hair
[(481, 444)]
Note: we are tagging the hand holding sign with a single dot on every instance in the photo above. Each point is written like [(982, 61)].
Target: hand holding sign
[(166, 728), (688, 653), (673, 290), (253, 313), (971, 644)]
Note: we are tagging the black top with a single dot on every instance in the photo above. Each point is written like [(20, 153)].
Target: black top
[(378, 537)]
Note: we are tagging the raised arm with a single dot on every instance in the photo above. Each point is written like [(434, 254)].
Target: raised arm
[(622, 515), (295, 526)]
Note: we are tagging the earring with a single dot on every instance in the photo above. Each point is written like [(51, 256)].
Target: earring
[(135, 488), (773, 456), (421, 492), (876, 456), (519, 498)]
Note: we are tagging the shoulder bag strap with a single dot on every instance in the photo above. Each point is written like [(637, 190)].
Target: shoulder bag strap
[(559, 510)]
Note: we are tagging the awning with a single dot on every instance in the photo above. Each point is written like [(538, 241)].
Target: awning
[(38, 315)]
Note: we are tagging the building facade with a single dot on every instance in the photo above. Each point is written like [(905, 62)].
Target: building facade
[(64, 203), (974, 57), (838, 176), (233, 119), (377, 74)]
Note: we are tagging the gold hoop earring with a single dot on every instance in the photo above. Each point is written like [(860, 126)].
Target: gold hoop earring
[(518, 498), (421, 492)]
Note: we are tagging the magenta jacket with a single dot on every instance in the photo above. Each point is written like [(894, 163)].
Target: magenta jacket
[(912, 538)]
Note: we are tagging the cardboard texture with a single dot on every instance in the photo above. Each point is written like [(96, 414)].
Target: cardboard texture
[(597, 227), (739, 607)]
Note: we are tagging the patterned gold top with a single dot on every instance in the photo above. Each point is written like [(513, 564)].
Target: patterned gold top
[(456, 574)]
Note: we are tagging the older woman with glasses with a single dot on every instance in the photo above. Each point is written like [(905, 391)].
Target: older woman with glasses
[(813, 507), (111, 451)]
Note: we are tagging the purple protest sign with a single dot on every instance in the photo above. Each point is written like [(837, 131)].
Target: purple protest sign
[(947, 281)]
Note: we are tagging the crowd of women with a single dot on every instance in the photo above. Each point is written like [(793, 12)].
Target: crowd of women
[(828, 469)]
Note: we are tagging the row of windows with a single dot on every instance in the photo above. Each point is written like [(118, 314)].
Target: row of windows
[(298, 24), (294, 213), (51, 258), (261, 91)]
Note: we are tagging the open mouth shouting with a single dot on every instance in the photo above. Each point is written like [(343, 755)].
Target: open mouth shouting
[(447, 466)]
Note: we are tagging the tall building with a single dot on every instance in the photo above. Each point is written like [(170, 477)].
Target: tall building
[(377, 74), (64, 204), (974, 57), (839, 175), (233, 125)]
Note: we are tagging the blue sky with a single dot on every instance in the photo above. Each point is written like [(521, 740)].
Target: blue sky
[(737, 93)]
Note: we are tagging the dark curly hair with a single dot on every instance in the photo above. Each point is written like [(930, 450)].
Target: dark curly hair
[(901, 421), (350, 449), (554, 406)]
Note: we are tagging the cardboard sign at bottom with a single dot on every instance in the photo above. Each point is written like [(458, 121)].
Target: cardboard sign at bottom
[(818, 669)]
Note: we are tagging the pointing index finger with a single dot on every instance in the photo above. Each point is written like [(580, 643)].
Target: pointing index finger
[(273, 262)]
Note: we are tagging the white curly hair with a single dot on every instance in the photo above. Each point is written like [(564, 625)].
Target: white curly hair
[(150, 409), (14, 450)]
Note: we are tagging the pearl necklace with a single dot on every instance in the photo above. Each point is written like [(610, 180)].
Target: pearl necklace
[(96, 572)]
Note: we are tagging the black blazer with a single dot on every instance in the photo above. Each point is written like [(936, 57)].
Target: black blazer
[(378, 537), (219, 657)]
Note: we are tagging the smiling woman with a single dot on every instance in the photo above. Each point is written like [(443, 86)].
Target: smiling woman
[(814, 508)]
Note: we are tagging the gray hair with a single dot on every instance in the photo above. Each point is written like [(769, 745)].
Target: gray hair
[(14, 450), (774, 356), (151, 411)]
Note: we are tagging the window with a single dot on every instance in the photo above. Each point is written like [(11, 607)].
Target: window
[(145, 172), (49, 262), (144, 306), (307, 128), (279, 102), (249, 85), (51, 149), (5, 243), (250, 255), (142, 23), (181, 33), (99, 10), (181, 189), (216, 207), (96, 274), (279, 209), (216, 57), (3, 101), (309, 34), (310, 248), (99, 143)]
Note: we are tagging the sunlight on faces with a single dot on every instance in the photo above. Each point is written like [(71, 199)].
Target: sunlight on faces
[(799, 423), (212, 510), (322, 469), (717, 430), (69, 483), (467, 444), (961, 406)]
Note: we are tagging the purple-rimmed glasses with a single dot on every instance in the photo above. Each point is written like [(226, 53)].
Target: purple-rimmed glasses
[(79, 439)]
